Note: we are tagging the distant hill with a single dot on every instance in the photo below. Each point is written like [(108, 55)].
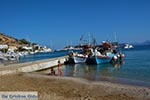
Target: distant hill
[(147, 42), (9, 40)]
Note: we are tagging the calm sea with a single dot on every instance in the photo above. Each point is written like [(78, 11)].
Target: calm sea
[(41, 56), (135, 69)]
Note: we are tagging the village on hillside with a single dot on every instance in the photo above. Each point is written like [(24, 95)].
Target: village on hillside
[(12, 48)]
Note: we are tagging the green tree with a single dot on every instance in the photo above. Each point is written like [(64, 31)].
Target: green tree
[(34, 43), (4, 50), (24, 41), (21, 49)]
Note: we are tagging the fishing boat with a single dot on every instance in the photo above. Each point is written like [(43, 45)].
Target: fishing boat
[(105, 59), (79, 58), (75, 57), (98, 60), (104, 54)]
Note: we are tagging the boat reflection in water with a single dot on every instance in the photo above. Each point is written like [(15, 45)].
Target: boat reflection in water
[(99, 72)]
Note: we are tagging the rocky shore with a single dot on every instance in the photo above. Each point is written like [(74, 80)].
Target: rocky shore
[(67, 88)]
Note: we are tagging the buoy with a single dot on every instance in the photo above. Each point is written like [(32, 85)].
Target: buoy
[(122, 55), (118, 56), (115, 58)]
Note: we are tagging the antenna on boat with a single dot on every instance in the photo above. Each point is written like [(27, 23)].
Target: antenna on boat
[(115, 34), (81, 39), (67, 42), (89, 37), (71, 44), (117, 41)]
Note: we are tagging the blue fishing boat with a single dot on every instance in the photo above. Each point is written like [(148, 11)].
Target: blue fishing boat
[(108, 58), (102, 59), (99, 59)]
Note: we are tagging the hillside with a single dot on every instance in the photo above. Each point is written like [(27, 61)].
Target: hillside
[(147, 42), (9, 40)]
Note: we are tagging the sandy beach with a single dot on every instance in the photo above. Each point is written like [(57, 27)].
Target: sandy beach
[(67, 88)]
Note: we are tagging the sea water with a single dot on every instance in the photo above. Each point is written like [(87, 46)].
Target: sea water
[(135, 68), (42, 56)]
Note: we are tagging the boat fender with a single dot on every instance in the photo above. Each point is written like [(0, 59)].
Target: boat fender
[(114, 58), (118, 56), (122, 55)]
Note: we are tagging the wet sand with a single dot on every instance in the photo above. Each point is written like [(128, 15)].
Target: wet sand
[(68, 88)]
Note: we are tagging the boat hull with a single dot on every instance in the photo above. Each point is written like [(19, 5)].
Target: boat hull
[(101, 60), (98, 60), (79, 59)]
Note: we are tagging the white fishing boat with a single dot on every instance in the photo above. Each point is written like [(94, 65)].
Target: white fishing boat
[(80, 58)]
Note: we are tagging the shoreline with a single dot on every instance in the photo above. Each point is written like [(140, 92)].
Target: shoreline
[(102, 78), (69, 88), (124, 81)]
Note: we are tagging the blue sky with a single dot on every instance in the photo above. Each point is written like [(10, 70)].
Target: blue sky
[(57, 23)]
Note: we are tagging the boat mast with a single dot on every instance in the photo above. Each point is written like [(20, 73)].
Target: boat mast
[(81, 40), (115, 34)]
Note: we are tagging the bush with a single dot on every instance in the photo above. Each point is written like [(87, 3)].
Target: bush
[(24, 41)]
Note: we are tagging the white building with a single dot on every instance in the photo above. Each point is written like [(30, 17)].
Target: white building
[(3, 46)]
